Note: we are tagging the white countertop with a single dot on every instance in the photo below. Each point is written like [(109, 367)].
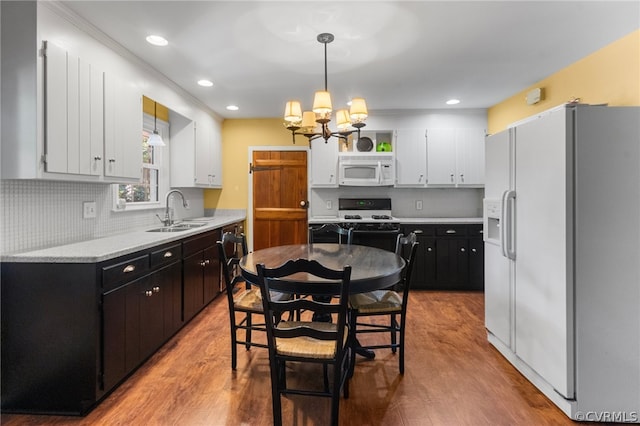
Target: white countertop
[(100, 249), (414, 220)]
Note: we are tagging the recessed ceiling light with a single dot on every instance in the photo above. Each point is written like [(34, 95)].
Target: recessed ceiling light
[(453, 101), (157, 40), (232, 107), (205, 83)]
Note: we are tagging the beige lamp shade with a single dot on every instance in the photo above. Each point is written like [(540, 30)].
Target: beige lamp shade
[(322, 102), (292, 112), (342, 118), (309, 119), (358, 109)]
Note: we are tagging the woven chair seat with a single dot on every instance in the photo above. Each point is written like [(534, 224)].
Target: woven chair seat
[(376, 301), (307, 347), (251, 299)]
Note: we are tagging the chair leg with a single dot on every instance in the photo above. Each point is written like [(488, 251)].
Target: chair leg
[(402, 326), (275, 392), (335, 395), (394, 327), (234, 348), (325, 374), (248, 331), (353, 318)]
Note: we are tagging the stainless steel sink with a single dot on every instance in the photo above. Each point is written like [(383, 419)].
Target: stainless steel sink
[(178, 227)]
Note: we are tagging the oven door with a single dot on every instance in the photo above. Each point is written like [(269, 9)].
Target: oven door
[(381, 238)]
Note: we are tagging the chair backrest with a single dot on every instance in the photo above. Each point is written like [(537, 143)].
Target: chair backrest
[(331, 228), (411, 243), (229, 265), (297, 272)]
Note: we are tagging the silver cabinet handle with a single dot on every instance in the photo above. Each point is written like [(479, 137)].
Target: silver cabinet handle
[(429, 249), (474, 250), (129, 268), (451, 177), (461, 177), (148, 293), (156, 289), (462, 249), (167, 254), (97, 158), (451, 231), (112, 160)]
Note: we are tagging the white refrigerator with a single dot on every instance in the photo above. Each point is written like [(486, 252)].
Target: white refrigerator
[(562, 256)]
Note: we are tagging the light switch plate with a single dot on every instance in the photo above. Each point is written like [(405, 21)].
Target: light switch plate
[(88, 209), (418, 204)]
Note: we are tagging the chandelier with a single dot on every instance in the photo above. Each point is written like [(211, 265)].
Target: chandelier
[(315, 124)]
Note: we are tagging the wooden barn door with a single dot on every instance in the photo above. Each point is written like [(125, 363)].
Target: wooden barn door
[(279, 198)]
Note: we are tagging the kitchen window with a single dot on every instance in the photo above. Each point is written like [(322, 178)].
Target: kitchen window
[(155, 172)]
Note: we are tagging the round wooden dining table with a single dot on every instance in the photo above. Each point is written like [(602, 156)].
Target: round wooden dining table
[(371, 268)]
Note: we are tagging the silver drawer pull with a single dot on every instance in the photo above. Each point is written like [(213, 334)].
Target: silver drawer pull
[(156, 289), (167, 254), (148, 293), (129, 268), (474, 250), (429, 249), (451, 231), (462, 249)]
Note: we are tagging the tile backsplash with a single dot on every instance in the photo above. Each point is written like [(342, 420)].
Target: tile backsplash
[(38, 214)]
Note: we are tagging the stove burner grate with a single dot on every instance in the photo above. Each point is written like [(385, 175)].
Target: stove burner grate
[(381, 217), (352, 216)]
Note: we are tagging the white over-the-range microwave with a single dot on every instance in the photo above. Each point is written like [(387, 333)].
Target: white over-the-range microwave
[(366, 169)]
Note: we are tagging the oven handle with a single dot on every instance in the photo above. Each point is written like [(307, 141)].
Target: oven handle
[(376, 231)]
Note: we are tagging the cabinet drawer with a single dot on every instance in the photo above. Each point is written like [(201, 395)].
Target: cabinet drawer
[(166, 255), (426, 230), (124, 271), (201, 242), (451, 230), (475, 231)]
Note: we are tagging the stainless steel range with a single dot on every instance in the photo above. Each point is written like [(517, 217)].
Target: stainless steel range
[(371, 220)]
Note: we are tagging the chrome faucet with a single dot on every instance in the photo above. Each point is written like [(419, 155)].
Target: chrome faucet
[(168, 220)]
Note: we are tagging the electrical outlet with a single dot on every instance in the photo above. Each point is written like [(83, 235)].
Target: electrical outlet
[(418, 204), (329, 205), (88, 209)]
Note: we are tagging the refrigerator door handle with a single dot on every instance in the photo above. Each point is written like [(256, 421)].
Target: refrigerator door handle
[(509, 201), (503, 224)]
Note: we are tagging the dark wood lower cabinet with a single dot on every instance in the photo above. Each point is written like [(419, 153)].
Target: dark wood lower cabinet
[(72, 332), (450, 257)]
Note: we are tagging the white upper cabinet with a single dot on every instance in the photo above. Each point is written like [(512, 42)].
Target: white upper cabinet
[(324, 164), (195, 153), (207, 151), (74, 114), (441, 156), (455, 157), (411, 157), (123, 130), (470, 157)]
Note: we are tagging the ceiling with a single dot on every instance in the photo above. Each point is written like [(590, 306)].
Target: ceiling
[(395, 54)]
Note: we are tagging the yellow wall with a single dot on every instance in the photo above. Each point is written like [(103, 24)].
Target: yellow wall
[(148, 107), (237, 137), (610, 75)]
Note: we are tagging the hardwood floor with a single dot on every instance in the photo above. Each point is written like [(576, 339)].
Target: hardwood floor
[(453, 376)]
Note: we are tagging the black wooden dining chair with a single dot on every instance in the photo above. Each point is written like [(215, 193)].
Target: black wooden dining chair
[(391, 302), (322, 343), (244, 301), (345, 235)]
